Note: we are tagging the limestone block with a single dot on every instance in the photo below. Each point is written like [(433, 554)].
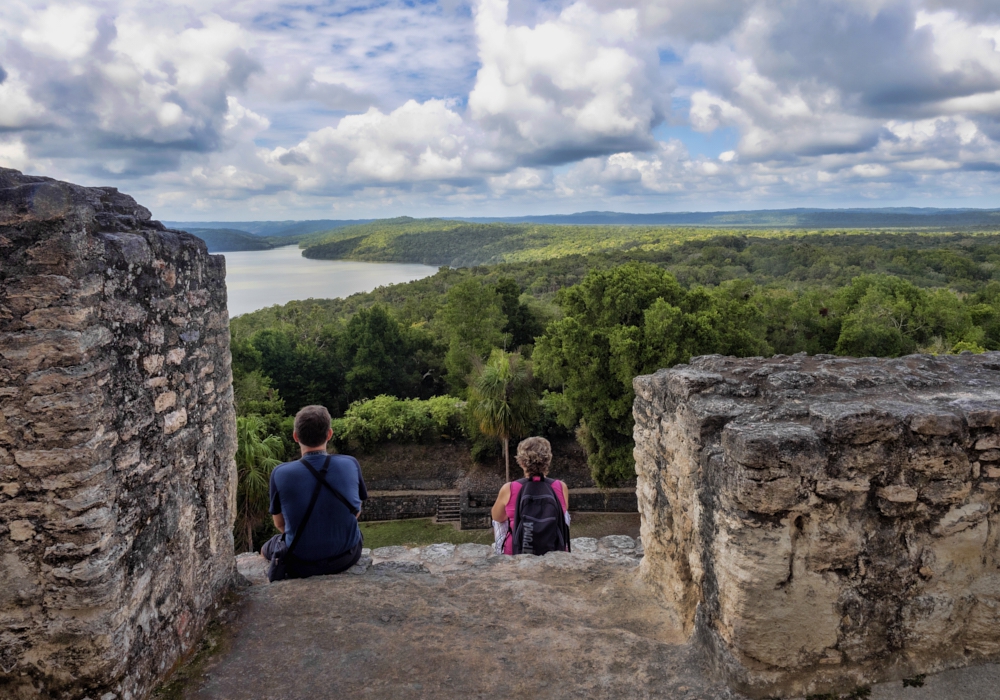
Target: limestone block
[(117, 528), (930, 422), (823, 523)]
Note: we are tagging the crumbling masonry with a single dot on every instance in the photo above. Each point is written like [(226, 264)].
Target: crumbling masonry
[(824, 523), (117, 437)]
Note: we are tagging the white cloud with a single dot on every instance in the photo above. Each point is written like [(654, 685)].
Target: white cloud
[(417, 141), (522, 179), (566, 87), (17, 108), (62, 31), (385, 106), (13, 154)]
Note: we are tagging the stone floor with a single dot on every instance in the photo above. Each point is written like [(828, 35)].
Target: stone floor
[(458, 622)]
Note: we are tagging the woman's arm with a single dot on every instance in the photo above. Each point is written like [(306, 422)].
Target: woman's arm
[(499, 511), (566, 495)]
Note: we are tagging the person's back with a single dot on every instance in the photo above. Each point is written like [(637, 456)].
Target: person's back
[(315, 503), (531, 515), (332, 528)]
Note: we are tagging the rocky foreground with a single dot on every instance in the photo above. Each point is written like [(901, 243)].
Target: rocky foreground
[(459, 622)]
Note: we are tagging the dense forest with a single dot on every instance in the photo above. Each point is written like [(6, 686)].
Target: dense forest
[(398, 363), (461, 244)]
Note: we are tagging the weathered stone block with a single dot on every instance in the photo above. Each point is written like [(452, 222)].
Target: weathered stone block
[(115, 532), (823, 523)]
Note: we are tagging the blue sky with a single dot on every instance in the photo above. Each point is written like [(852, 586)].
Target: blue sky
[(205, 109)]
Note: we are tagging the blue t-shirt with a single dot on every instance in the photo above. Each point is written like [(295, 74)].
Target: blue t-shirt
[(331, 529)]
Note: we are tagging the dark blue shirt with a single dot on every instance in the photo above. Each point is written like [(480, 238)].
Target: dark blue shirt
[(331, 529)]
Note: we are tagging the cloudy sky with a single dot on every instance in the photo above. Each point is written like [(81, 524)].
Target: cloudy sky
[(356, 108)]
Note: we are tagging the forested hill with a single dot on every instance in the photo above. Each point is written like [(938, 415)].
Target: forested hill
[(897, 217), (463, 243), (588, 324), (225, 240), (792, 264)]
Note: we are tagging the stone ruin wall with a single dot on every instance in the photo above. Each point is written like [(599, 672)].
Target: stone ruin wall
[(117, 438), (824, 523)]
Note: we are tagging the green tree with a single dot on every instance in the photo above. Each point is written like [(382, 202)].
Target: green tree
[(254, 395), (630, 320), (502, 399), (522, 326), (256, 455), (304, 371), (886, 316), (471, 320), (375, 353)]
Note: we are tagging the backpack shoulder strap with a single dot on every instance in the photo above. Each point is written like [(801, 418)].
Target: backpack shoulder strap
[(320, 479), (324, 482), (517, 501)]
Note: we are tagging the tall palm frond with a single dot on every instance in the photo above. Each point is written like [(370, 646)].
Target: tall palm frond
[(502, 399), (256, 456)]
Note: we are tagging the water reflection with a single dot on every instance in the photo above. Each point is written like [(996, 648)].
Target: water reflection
[(260, 278)]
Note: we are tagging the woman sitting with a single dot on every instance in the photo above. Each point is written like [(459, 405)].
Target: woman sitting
[(531, 515)]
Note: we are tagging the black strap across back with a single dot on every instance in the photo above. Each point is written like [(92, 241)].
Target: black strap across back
[(320, 483)]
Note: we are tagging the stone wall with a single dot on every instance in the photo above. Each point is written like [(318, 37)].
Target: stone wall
[(117, 436), (399, 505), (823, 523)]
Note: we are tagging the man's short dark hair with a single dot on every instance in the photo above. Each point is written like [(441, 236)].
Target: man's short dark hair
[(312, 424)]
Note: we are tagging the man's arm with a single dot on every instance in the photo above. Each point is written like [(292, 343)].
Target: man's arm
[(279, 522)]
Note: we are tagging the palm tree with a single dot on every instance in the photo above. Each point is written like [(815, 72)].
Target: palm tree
[(502, 398), (256, 456)]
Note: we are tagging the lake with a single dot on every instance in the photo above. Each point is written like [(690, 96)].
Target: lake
[(256, 279)]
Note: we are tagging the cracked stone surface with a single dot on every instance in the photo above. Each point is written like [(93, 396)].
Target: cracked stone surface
[(461, 622), (823, 523), (117, 437)]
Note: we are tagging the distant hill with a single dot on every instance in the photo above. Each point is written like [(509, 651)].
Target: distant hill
[(275, 229), (227, 240), (464, 243), (889, 217)]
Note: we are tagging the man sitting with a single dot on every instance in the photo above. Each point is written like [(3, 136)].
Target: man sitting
[(330, 541)]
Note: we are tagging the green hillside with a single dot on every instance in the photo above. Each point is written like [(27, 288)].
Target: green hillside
[(464, 244), (226, 240)]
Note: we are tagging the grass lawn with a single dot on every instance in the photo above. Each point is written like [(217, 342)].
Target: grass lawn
[(418, 532), (422, 531)]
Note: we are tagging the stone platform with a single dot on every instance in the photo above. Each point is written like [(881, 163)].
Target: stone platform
[(457, 622)]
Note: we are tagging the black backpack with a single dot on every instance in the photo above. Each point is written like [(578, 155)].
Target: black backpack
[(539, 522)]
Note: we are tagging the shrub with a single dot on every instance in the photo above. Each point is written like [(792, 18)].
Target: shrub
[(385, 418)]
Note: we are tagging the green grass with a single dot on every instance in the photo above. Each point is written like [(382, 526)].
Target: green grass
[(419, 532), (422, 531)]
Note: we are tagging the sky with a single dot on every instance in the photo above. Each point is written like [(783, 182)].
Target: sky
[(250, 110)]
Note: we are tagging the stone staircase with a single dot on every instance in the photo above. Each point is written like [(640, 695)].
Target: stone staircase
[(449, 509)]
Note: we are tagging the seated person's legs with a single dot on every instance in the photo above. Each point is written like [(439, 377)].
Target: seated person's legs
[(267, 551)]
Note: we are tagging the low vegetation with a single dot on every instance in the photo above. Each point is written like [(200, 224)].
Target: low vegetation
[(419, 532), (397, 364)]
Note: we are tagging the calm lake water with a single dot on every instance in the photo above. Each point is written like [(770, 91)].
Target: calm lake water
[(260, 278)]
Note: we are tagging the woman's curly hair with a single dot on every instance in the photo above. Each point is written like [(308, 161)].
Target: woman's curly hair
[(534, 454)]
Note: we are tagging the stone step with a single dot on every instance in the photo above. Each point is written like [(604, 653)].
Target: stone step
[(449, 509)]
